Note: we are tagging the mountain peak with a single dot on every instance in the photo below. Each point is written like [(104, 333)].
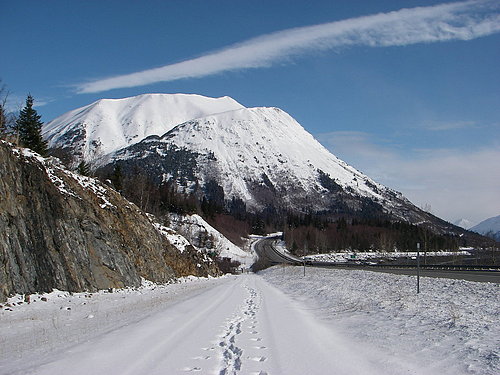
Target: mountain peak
[(107, 125)]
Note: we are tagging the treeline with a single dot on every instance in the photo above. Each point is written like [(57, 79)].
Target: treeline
[(365, 235), (304, 233)]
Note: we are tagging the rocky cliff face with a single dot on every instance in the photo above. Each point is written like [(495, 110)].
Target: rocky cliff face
[(69, 232)]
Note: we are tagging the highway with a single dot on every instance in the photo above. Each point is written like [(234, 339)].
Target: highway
[(266, 250)]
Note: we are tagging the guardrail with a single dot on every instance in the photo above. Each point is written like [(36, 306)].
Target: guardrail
[(407, 266)]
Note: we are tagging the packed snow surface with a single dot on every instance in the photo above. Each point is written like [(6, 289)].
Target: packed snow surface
[(111, 124), (278, 322)]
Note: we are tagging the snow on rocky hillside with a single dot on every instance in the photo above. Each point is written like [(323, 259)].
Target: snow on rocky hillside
[(206, 238), (110, 124), (62, 230)]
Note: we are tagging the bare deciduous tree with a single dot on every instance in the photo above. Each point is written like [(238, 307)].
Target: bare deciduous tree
[(7, 118), (4, 94)]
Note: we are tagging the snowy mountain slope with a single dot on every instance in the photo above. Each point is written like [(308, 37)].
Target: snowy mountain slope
[(489, 227), (258, 155), (463, 223), (107, 125)]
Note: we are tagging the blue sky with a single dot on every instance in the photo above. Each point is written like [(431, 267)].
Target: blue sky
[(409, 96)]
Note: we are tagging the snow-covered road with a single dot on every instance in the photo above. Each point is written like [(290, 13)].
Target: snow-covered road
[(243, 325), (271, 324)]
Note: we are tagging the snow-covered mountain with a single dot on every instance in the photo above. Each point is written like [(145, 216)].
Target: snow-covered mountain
[(263, 157), (489, 227), (219, 149), (253, 149), (108, 125)]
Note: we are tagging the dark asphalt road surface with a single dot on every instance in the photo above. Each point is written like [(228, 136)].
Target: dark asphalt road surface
[(265, 248)]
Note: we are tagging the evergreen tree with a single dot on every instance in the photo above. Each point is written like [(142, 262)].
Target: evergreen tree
[(84, 168), (117, 178), (29, 127)]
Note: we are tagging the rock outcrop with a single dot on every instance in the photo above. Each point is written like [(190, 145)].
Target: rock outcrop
[(69, 232)]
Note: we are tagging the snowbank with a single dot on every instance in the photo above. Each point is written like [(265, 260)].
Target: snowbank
[(342, 257)]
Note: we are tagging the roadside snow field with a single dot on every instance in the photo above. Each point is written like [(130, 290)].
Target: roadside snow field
[(343, 257), (451, 327)]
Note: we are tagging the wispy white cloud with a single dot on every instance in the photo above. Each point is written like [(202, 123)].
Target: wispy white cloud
[(456, 183), (444, 126), (452, 21)]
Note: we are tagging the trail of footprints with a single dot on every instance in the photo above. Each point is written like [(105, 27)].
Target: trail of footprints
[(227, 345)]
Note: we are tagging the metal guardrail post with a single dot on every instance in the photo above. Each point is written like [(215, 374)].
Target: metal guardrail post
[(418, 267)]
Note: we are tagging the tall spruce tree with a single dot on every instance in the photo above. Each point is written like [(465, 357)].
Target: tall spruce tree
[(29, 128)]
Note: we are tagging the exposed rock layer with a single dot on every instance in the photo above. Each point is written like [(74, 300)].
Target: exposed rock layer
[(64, 231)]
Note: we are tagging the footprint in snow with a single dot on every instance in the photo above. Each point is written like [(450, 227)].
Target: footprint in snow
[(258, 359), (205, 357), (191, 369)]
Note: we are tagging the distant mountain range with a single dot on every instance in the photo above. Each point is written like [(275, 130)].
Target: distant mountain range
[(217, 149), (489, 227)]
